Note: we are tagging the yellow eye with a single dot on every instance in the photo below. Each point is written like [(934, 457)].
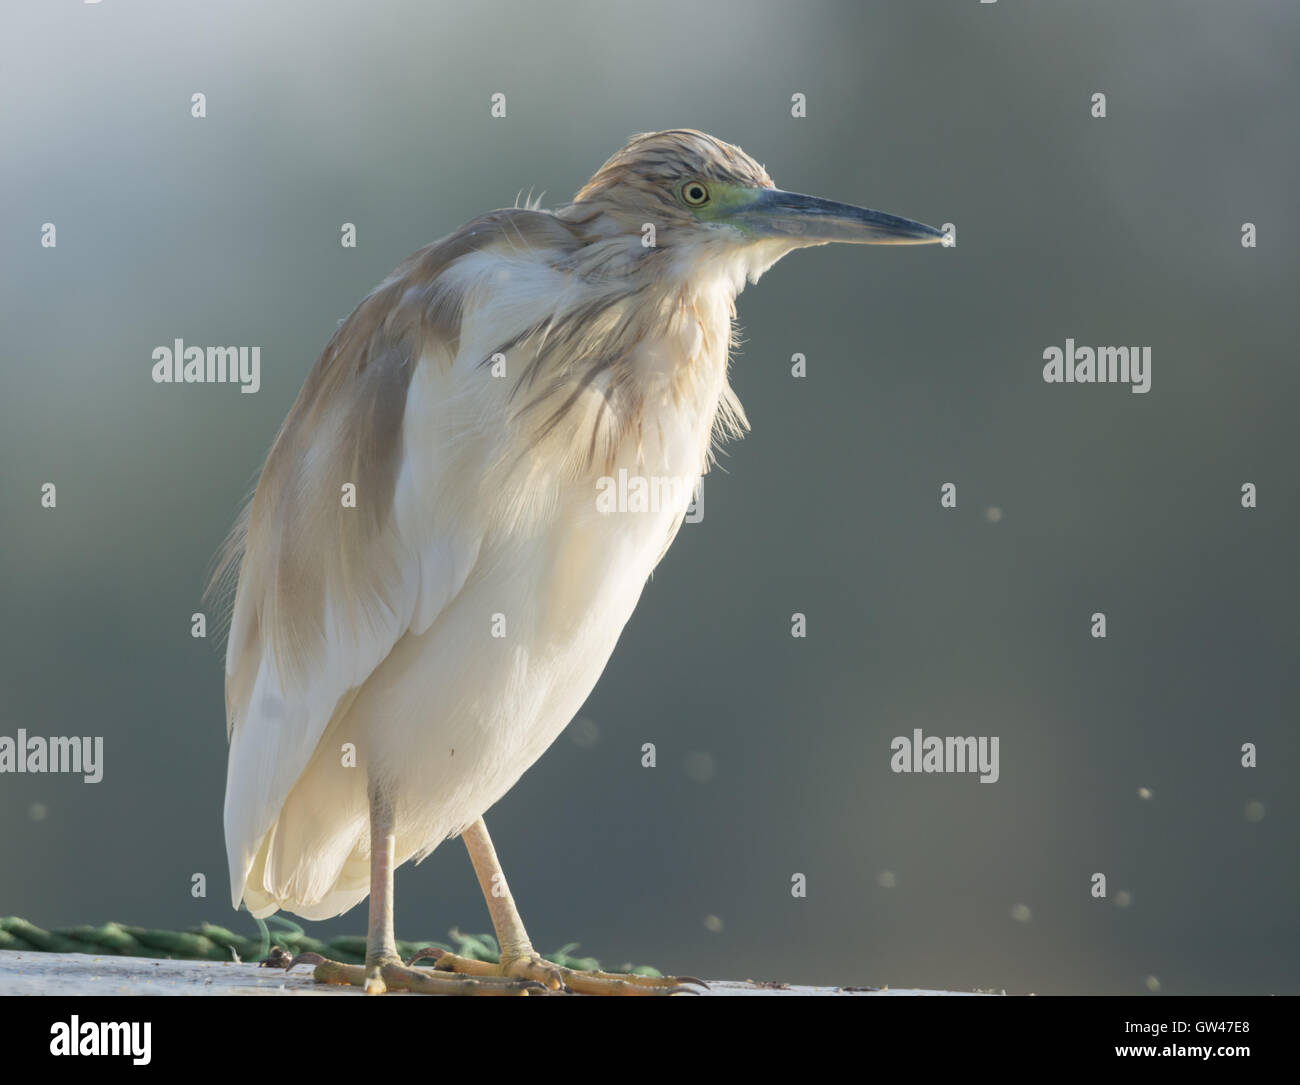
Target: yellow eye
[(695, 193)]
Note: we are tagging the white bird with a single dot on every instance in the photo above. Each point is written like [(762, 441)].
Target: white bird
[(429, 585)]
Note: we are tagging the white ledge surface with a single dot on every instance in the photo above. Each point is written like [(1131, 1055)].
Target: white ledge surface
[(83, 974)]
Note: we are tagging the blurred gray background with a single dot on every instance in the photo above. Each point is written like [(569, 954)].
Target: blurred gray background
[(924, 367)]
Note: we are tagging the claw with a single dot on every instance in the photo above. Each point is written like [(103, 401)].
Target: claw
[(305, 958), (427, 953)]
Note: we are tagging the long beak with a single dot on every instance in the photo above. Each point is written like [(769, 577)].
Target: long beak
[(815, 221)]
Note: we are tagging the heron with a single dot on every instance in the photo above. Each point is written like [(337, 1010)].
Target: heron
[(426, 589)]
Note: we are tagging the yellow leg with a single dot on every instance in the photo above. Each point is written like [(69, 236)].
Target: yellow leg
[(519, 961), (383, 970)]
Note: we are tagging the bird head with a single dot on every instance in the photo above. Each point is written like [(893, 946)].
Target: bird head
[(702, 194)]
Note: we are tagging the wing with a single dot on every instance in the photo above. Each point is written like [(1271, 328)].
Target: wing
[(363, 525)]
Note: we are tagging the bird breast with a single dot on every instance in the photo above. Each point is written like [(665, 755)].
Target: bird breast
[(576, 477)]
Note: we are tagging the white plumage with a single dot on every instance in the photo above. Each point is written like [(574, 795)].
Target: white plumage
[(449, 715), (395, 665)]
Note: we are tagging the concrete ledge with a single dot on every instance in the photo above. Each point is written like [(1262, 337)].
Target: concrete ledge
[(83, 974)]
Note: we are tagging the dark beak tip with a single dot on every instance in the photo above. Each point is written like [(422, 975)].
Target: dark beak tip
[(921, 234)]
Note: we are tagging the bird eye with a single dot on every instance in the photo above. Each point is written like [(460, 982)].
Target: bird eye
[(695, 194)]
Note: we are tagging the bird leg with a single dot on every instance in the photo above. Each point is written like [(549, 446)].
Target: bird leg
[(519, 961), (383, 970)]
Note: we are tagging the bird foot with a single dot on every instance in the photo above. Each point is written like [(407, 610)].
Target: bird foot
[(379, 977), (557, 979)]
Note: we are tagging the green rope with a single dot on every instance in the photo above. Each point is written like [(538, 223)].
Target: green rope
[(209, 942)]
